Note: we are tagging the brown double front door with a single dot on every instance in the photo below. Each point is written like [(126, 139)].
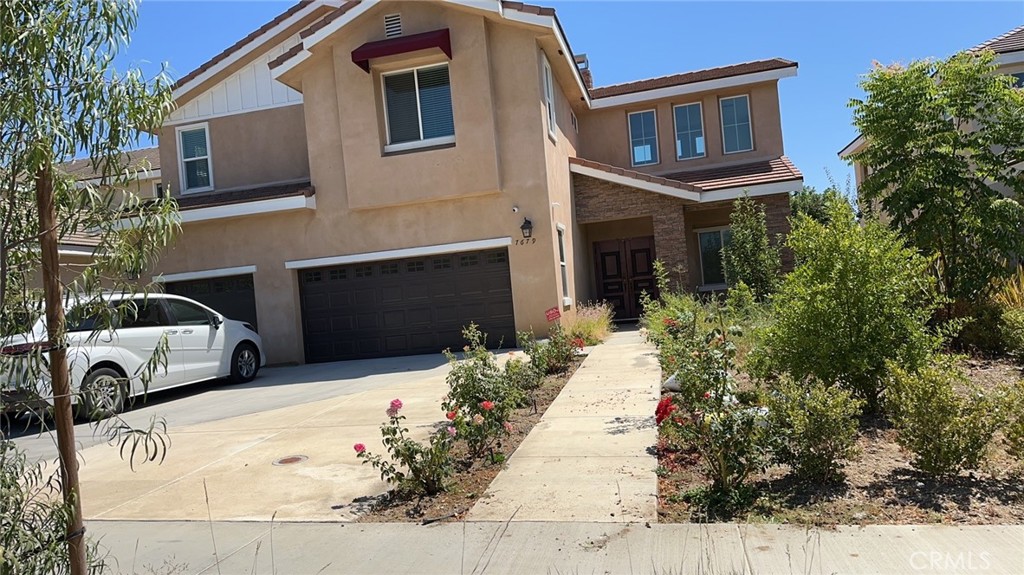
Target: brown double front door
[(625, 269)]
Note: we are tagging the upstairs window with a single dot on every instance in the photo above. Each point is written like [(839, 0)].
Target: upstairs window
[(1018, 80), (689, 131), (194, 152), (643, 138), (418, 108), (736, 134), (549, 99)]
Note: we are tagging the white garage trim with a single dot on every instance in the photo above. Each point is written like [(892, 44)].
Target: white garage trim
[(204, 274), (399, 254)]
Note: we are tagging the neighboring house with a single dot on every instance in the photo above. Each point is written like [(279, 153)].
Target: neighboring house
[(364, 179), (1009, 50), (76, 249)]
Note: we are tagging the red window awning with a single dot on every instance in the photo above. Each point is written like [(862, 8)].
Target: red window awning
[(440, 39)]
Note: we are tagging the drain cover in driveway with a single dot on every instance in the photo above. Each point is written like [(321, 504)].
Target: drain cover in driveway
[(291, 460)]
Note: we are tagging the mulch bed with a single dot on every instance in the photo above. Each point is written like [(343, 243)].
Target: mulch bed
[(880, 487), (471, 477)]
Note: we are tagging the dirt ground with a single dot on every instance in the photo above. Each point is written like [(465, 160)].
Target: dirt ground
[(472, 477), (880, 486)]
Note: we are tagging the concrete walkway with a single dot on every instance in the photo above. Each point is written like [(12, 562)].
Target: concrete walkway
[(552, 547), (589, 458)]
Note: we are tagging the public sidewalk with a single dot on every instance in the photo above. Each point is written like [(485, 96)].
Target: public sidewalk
[(590, 457), (556, 547)]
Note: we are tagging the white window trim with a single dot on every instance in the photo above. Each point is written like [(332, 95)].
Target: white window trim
[(575, 122), (156, 185), (703, 132), (750, 124), (549, 99), (204, 274), (657, 144), (700, 257), (183, 182), (563, 262), (421, 143)]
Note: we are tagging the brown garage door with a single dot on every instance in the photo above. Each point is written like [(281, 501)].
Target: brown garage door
[(233, 296), (405, 307)]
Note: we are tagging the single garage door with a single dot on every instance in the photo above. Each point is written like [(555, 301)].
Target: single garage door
[(405, 307), (232, 296)]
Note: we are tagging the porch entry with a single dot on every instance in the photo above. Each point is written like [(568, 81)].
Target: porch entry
[(625, 269)]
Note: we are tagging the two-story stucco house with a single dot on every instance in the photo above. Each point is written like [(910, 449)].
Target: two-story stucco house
[(1009, 60), (364, 178)]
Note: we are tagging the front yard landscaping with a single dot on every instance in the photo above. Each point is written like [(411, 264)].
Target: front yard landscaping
[(489, 410), (842, 394)]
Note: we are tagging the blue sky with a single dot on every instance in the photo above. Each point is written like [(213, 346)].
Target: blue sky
[(834, 42)]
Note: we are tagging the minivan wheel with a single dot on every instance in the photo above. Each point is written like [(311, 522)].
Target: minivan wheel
[(104, 393), (245, 363)]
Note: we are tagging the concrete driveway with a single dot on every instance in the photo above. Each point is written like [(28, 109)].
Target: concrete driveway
[(226, 439)]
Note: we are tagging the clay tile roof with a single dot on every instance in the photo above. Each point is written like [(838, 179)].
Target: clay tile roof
[(1012, 41), (287, 55), (81, 239), (780, 169), (211, 199), (240, 44), (672, 183), (528, 8), (338, 13), (145, 158), (692, 77)]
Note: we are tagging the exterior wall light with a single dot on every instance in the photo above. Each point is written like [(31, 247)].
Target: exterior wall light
[(527, 228)]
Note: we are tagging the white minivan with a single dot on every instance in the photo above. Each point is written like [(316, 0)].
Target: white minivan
[(106, 366)]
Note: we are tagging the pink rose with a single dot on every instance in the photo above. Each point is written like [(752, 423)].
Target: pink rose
[(451, 431), (508, 427), (359, 447), (396, 404)]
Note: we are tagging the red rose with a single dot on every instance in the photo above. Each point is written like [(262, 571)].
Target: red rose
[(359, 447), (664, 409), (487, 405), (450, 415)]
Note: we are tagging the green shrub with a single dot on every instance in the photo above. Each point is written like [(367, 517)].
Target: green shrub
[(1013, 432), (813, 428), (739, 301), (946, 430), (427, 467), (732, 442), (983, 330), (750, 256), (554, 355), (857, 299), (523, 374), (481, 397), (1012, 332)]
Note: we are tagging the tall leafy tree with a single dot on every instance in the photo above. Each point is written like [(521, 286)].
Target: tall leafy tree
[(945, 139), (812, 203), (60, 96), (750, 256)]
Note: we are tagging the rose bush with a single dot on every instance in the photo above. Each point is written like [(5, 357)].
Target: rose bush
[(421, 468)]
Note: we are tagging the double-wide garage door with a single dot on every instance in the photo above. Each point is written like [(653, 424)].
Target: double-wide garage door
[(405, 307)]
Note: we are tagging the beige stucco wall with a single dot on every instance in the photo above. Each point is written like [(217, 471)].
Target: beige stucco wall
[(605, 132), (370, 201), (246, 150)]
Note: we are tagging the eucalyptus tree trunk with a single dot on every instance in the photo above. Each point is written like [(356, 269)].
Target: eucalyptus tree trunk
[(55, 327)]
